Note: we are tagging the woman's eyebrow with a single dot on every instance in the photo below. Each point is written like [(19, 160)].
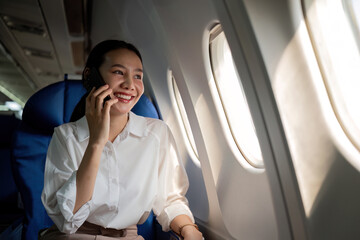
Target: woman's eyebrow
[(122, 66)]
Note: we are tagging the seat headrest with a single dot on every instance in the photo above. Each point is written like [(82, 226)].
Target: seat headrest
[(144, 107), (53, 105)]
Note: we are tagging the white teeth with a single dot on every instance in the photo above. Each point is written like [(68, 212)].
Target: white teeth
[(123, 96)]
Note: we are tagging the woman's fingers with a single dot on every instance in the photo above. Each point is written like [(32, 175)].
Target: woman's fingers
[(97, 113), (100, 89), (101, 97), (95, 99), (88, 100), (109, 103)]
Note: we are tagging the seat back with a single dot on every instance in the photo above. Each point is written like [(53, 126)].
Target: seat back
[(45, 110), (10, 211), (8, 193)]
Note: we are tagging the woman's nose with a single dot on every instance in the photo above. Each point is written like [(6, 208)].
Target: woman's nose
[(128, 83)]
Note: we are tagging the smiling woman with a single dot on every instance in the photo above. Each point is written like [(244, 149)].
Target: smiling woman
[(108, 170)]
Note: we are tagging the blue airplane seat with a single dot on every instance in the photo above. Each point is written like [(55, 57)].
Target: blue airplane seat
[(10, 210), (46, 109)]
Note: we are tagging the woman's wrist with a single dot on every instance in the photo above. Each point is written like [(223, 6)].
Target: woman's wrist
[(188, 230), (95, 145), (183, 226)]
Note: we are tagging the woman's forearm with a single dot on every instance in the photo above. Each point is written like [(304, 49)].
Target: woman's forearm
[(86, 175)]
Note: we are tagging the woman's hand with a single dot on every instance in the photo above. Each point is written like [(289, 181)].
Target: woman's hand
[(184, 227), (191, 233), (98, 114)]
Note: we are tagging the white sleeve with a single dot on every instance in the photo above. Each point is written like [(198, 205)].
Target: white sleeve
[(59, 193), (173, 184)]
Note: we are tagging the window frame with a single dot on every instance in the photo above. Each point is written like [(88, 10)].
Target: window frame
[(183, 120), (333, 71), (215, 31)]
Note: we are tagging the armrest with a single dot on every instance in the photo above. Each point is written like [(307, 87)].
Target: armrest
[(174, 236), (13, 231), (160, 235)]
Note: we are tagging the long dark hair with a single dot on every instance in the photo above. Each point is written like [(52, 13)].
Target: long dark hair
[(94, 60)]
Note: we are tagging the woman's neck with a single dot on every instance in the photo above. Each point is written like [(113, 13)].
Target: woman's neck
[(117, 125)]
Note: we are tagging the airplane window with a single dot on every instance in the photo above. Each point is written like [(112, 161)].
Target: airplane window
[(352, 9), (190, 144), (339, 57), (233, 99)]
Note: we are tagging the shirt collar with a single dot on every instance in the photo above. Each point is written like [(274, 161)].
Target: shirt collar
[(82, 129), (136, 126)]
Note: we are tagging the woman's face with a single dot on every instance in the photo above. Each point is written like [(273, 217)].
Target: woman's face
[(122, 70)]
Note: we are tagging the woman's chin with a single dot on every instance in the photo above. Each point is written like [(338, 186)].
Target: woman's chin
[(120, 110)]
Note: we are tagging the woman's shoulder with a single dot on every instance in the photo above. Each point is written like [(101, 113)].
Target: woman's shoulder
[(152, 125), (69, 129), (157, 128), (153, 122)]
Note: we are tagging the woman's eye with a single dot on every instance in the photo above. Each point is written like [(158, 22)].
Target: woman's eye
[(138, 76), (118, 72)]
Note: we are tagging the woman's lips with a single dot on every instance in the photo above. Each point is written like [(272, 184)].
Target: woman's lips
[(123, 97)]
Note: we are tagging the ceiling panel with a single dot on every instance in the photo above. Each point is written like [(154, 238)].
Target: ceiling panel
[(36, 46)]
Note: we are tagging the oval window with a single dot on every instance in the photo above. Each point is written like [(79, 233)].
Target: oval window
[(233, 100), (334, 29)]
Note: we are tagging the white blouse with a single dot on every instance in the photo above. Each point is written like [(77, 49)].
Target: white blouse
[(139, 172)]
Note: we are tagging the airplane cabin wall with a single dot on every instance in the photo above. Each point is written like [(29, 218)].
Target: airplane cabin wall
[(321, 153), (229, 200), (312, 193)]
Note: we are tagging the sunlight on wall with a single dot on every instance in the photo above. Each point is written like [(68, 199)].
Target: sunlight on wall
[(301, 116), (313, 122)]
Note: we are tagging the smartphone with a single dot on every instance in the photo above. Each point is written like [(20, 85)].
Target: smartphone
[(95, 80)]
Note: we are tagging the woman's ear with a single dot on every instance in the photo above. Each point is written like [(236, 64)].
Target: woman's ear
[(86, 73)]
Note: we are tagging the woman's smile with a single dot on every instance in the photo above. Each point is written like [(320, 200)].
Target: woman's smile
[(124, 97)]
